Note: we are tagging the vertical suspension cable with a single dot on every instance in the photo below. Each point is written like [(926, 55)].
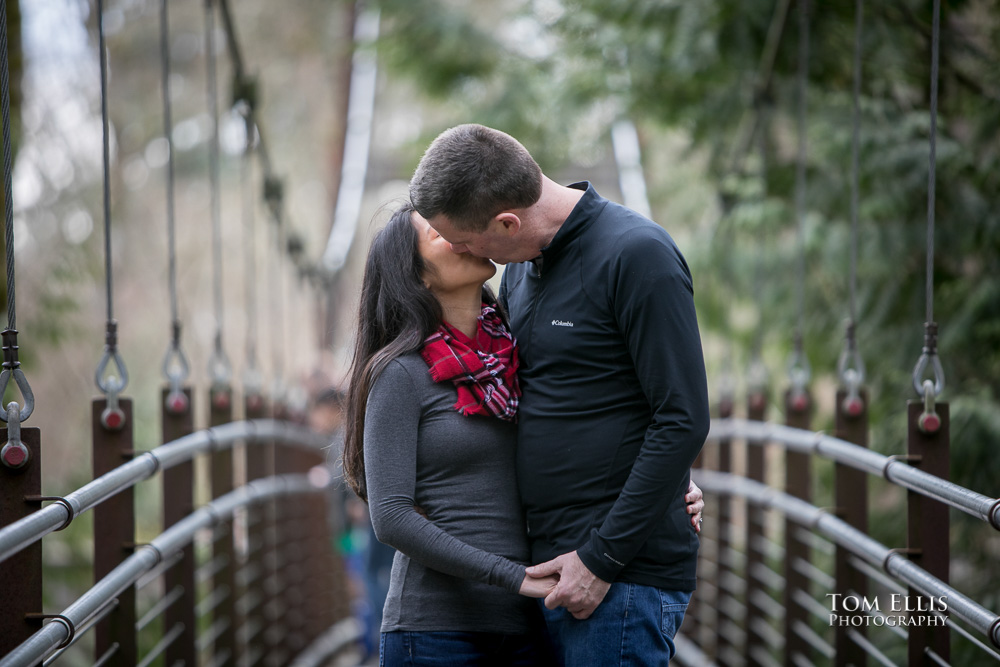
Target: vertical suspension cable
[(175, 364), (855, 160), (8, 190), (798, 368), (219, 368), (929, 357), (112, 385), (13, 454), (850, 365), (251, 379)]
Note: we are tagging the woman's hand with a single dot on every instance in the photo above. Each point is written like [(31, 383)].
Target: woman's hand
[(539, 587), (695, 505)]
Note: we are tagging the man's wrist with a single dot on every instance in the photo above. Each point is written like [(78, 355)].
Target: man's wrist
[(599, 562)]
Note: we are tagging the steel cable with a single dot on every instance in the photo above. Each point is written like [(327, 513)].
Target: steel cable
[(855, 160), (798, 366), (110, 384), (168, 135), (219, 368), (108, 279), (931, 172), (929, 355), (8, 197)]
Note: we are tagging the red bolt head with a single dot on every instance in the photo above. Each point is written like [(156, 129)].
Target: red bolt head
[(800, 403), (757, 401), (113, 419), (254, 402), (14, 456), (177, 402), (220, 400), (929, 422), (853, 406)]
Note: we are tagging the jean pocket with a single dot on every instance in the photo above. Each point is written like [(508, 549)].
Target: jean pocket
[(673, 604)]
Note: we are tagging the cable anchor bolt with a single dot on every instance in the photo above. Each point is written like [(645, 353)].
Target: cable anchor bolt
[(112, 417), (176, 371), (14, 454), (799, 374), (929, 360), (221, 373), (929, 422)]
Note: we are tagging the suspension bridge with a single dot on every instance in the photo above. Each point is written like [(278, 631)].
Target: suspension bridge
[(244, 569)]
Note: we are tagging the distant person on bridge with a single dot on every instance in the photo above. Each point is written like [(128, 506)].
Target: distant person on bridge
[(614, 408), (430, 443)]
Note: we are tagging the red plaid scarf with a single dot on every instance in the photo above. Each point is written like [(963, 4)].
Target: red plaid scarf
[(484, 370)]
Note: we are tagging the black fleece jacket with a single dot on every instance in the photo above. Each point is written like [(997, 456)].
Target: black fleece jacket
[(615, 402)]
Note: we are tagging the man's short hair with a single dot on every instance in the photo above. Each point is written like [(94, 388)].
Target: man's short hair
[(470, 173)]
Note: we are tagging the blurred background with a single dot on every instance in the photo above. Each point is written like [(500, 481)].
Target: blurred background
[(689, 108)]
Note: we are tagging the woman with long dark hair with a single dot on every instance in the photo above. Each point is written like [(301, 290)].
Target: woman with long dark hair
[(429, 444)]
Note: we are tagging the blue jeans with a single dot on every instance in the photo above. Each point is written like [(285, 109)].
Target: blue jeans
[(633, 627), (461, 649)]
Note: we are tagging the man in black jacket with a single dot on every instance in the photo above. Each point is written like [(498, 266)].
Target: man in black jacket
[(614, 407)]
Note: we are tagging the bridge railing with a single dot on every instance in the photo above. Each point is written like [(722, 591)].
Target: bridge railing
[(287, 596), (782, 581)]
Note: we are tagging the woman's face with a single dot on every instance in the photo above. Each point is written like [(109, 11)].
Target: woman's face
[(452, 271)]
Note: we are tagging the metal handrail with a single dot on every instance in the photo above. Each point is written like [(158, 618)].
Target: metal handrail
[(855, 541), (30, 529), (52, 636), (892, 469)]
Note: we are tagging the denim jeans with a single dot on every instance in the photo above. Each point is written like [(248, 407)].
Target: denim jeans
[(460, 649), (633, 627)]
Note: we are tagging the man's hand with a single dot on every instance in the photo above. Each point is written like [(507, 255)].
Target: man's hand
[(579, 589), (695, 505)]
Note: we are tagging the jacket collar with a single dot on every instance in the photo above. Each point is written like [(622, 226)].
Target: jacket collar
[(580, 218)]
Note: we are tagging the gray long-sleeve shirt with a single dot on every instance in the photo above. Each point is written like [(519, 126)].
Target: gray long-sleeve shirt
[(461, 566)]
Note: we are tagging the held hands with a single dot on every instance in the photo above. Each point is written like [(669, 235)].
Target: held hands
[(577, 588), (539, 587)]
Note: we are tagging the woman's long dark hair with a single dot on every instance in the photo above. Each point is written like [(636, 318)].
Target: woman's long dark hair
[(397, 313)]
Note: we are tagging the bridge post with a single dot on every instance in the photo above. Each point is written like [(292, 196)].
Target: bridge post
[(21, 590), (223, 550), (289, 553), (259, 464), (277, 623), (178, 502), (114, 530), (694, 623), (798, 483), (851, 499), (724, 544), (755, 642), (928, 528)]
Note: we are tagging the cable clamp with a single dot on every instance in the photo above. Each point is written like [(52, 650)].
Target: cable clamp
[(112, 418), (176, 370), (12, 367), (14, 454), (62, 620), (59, 500), (929, 358), (929, 421)]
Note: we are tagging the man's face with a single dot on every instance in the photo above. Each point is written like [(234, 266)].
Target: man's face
[(496, 243)]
